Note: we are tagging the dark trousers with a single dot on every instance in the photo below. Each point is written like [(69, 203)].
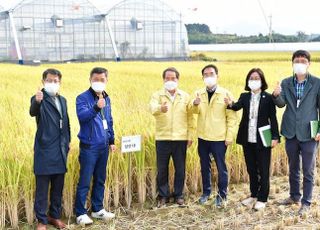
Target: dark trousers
[(307, 150), (177, 150), (56, 182), (258, 166), (93, 163), (218, 151)]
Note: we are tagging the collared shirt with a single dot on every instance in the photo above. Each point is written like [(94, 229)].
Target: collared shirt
[(253, 117), (57, 103), (172, 97), (299, 87), (211, 92), (94, 94)]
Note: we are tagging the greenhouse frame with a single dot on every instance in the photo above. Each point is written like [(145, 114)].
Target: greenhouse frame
[(75, 30)]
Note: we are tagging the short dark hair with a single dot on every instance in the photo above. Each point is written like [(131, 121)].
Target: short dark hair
[(301, 53), (209, 66), (264, 84), (171, 69), (99, 70), (51, 71)]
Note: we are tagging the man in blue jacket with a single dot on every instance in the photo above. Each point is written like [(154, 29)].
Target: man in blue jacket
[(51, 148), (96, 136)]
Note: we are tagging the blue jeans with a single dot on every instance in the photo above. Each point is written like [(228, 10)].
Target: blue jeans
[(308, 151), (218, 151), (93, 163)]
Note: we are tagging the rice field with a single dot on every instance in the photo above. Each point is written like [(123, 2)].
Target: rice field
[(130, 86)]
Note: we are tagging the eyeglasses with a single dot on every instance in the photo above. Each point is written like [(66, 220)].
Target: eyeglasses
[(300, 60), (52, 81), (209, 75), (103, 80)]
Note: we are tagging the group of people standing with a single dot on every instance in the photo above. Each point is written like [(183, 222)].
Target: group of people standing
[(210, 112), (214, 108)]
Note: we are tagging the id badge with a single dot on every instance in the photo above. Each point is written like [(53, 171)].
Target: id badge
[(105, 124), (298, 103)]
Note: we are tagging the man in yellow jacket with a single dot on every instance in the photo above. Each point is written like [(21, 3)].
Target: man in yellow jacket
[(174, 117), (215, 129)]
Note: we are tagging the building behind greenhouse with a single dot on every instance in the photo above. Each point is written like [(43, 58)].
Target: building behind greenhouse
[(66, 30)]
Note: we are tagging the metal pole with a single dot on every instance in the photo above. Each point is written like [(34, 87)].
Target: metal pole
[(129, 180), (73, 41), (7, 37), (270, 30), (112, 39), (180, 54), (60, 48), (15, 37)]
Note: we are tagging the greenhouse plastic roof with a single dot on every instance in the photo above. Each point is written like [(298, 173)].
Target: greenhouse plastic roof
[(19, 3)]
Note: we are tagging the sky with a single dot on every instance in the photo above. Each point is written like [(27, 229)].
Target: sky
[(243, 17)]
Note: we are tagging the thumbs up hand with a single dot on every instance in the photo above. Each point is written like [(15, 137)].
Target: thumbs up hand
[(164, 107), (227, 100), (101, 102), (39, 95), (197, 100), (277, 89)]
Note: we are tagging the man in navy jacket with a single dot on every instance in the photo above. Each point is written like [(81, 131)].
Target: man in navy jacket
[(96, 136), (51, 148)]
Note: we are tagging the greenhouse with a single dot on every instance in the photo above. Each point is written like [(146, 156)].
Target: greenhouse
[(69, 30), (148, 29)]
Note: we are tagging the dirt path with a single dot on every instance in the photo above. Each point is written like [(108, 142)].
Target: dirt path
[(233, 216)]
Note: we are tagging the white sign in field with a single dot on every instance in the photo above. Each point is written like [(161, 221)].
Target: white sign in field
[(131, 144)]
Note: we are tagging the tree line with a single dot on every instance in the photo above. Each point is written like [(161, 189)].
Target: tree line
[(201, 34)]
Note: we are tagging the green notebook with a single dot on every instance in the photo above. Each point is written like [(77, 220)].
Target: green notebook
[(314, 126), (265, 135)]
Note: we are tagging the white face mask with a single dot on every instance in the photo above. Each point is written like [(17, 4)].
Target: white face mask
[(170, 85), (98, 87), (254, 84), (300, 68), (52, 88), (210, 81)]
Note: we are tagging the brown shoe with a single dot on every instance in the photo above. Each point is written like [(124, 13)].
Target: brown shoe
[(56, 223), (288, 201), (180, 201), (41, 226), (162, 202)]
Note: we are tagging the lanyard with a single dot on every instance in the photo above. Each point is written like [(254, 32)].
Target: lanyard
[(58, 105), (102, 114), (104, 121)]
